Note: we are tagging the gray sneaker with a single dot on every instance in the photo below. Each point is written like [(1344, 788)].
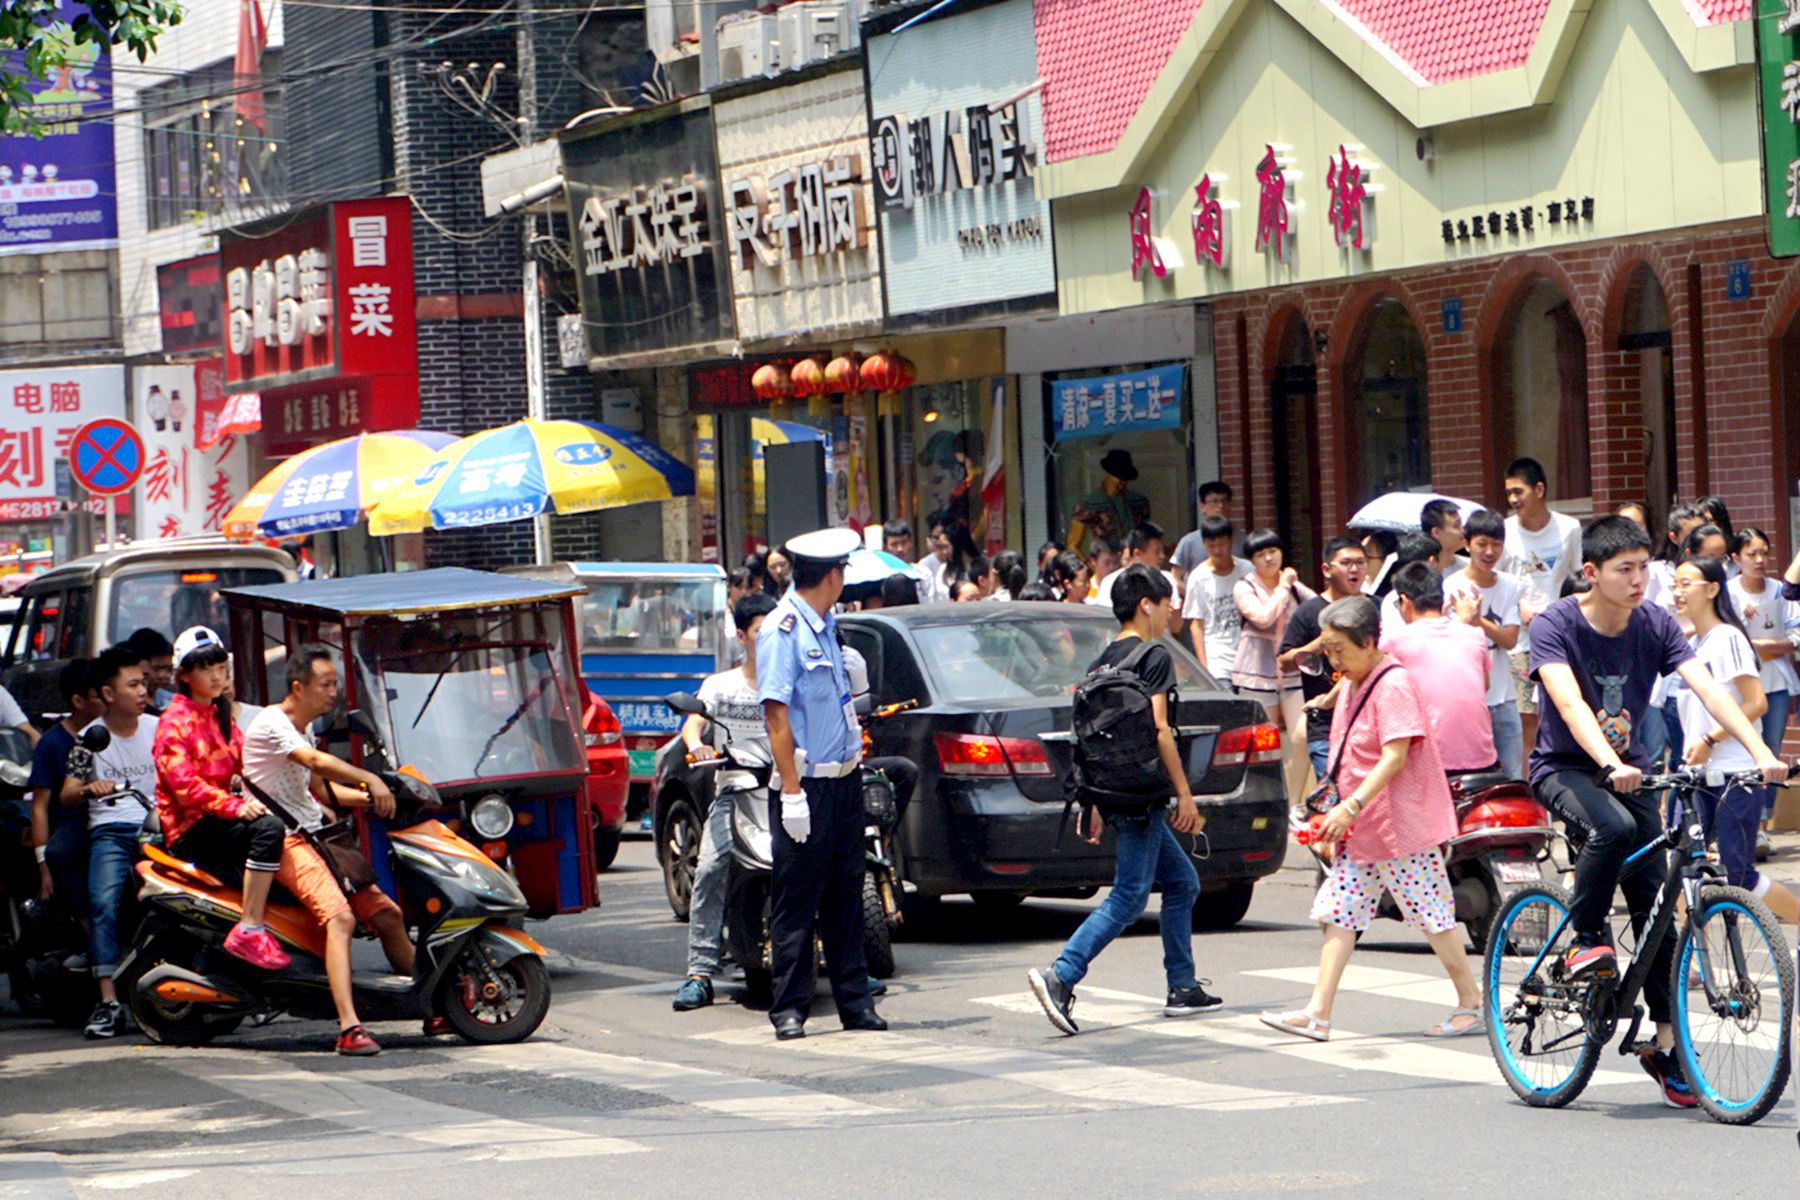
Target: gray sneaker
[(1185, 1002), (1057, 997), (1764, 846)]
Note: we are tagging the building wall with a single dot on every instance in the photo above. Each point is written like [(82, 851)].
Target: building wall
[(1732, 420)]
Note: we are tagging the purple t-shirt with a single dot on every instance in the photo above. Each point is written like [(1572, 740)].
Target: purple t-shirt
[(1615, 674)]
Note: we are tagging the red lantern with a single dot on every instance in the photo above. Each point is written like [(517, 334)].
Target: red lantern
[(808, 378), (888, 372), (772, 382), (843, 375)]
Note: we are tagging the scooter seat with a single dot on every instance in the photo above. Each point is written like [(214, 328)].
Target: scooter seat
[(163, 858), (1479, 781)]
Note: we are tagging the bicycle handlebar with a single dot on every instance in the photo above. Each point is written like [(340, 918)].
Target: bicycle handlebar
[(1696, 777)]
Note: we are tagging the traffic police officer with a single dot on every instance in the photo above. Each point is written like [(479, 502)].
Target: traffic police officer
[(818, 818)]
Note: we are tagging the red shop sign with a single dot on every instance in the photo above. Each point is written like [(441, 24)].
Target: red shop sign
[(327, 300)]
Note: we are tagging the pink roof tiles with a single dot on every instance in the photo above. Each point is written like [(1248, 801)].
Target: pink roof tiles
[(1097, 59), (1718, 12), (1443, 40)]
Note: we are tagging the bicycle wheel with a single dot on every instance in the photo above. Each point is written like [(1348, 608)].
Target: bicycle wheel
[(1734, 1048), (1536, 1025)]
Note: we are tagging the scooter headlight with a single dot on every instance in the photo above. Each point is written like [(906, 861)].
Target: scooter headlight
[(490, 883), (737, 782), (492, 818), (749, 817)]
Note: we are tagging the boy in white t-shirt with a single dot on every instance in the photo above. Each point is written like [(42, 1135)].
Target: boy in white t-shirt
[(734, 712), (1214, 622), (1543, 550), (1498, 618)]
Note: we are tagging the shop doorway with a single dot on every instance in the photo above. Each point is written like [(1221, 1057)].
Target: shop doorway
[(1539, 399), (1387, 429), (1644, 335), (1293, 413)]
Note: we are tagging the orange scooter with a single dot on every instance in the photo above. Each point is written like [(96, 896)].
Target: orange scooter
[(486, 978)]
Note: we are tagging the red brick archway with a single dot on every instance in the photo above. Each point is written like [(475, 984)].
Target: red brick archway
[(1339, 387)]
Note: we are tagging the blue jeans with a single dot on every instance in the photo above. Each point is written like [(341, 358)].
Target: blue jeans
[(1774, 727), (67, 854), (1655, 736), (1509, 736), (706, 903), (1731, 826), (1319, 750), (1145, 852), (112, 849)]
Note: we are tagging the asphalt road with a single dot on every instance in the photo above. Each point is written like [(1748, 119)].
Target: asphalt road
[(971, 1094)]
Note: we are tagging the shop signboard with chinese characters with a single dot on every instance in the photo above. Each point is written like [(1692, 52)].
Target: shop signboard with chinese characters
[(1109, 404), (954, 148), (320, 314), (57, 191), (185, 488), (799, 215), (1778, 99), (190, 306), (649, 232), (40, 410)]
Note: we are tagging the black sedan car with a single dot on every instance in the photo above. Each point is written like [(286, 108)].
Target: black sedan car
[(987, 680)]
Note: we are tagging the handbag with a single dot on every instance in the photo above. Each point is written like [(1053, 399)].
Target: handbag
[(336, 843), (1325, 797)]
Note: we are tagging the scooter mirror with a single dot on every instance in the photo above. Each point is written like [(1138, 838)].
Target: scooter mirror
[(685, 703), (358, 722), (865, 704), (95, 739)]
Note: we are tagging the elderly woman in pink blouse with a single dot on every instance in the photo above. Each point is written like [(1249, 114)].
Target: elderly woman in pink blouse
[(1394, 812)]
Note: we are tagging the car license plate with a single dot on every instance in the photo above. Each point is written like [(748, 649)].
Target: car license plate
[(643, 762), (1519, 870)]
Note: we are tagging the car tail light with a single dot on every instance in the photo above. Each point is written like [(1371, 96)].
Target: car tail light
[(1253, 745), (979, 755), (600, 724), (1517, 813)]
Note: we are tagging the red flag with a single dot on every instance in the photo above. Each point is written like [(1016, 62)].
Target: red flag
[(253, 36)]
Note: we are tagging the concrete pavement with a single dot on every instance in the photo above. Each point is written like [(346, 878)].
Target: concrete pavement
[(970, 1094)]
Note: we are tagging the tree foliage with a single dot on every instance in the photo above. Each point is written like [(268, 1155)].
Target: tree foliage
[(36, 44)]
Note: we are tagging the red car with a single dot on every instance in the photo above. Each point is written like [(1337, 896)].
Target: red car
[(609, 776)]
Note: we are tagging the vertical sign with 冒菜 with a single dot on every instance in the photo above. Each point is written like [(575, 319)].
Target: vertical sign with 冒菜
[(57, 192), (1107, 404), (1778, 102)]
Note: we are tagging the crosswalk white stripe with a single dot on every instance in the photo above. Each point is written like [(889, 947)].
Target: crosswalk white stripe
[(1346, 1050), (1063, 1075), (1435, 990), (382, 1111), (733, 1095)]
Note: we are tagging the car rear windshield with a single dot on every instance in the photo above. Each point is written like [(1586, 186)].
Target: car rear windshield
[(178, 598), (1025, 659)]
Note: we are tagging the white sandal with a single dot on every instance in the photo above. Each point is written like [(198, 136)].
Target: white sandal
[(1298, 1022), (1446, 1029)]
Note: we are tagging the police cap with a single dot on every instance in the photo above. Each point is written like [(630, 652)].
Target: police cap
[(823, 547)]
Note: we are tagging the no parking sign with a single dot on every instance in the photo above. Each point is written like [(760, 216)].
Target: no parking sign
[(106, 456)]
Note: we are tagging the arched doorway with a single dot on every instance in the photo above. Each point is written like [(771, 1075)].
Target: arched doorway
[(1644, 336), (1294, 434), (1539, 398), (1386, 427)]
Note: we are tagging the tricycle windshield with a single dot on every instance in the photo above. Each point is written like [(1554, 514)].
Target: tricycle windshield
[(473, 697), (654, 614)]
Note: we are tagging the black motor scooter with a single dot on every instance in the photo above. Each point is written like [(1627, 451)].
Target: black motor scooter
[(486, 978), (37, 937)]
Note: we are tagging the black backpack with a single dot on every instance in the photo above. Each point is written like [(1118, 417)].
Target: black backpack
[(1118, 765)]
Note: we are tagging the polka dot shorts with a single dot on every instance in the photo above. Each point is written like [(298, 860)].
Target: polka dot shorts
[(1352, 891)]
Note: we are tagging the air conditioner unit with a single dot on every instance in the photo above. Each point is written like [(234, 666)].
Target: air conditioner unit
[(813, 30), (747, 46)]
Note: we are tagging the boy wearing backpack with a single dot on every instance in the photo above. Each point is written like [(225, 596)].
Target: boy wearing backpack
[(1124, 721)]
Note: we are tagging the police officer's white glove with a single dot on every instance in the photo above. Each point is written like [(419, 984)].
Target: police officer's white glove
[(796, 816)]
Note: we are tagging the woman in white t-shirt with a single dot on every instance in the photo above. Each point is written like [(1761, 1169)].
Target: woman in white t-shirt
[(1703, 596)]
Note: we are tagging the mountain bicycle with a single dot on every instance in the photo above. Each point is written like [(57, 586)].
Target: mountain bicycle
[(1732, 986)]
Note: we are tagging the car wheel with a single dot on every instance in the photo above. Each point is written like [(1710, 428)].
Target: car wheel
[(606, 847), (679, 850), (1223, 909), (998, 901)]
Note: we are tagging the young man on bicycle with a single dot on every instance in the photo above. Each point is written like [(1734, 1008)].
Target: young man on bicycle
[(1596, 656)]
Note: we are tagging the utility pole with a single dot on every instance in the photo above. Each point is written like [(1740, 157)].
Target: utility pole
[(533, 299)]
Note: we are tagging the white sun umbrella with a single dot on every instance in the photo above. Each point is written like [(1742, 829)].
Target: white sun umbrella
[(1398, 512)]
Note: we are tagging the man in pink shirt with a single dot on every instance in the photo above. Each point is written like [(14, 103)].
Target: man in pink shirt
[(1448, 660)]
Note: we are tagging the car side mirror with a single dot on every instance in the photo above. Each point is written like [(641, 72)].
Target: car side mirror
[(95, 739)]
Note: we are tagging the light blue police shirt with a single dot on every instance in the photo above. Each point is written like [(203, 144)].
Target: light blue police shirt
[(798, 664)]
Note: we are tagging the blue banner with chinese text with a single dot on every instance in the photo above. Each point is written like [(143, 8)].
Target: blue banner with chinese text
[(1108, 404)]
